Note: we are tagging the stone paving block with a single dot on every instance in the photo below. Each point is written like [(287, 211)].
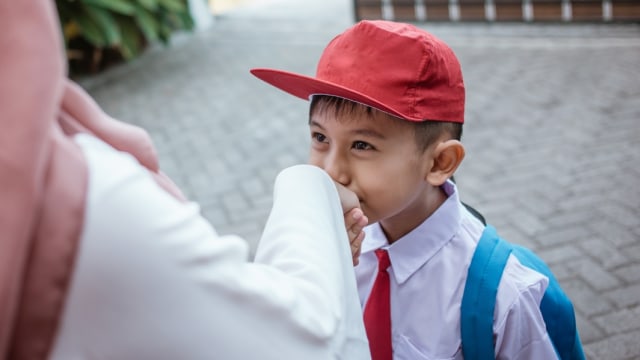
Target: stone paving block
[(560, 254), (538, 203), (633, 250), (576, 202), (619, 347), (620, 321), (250, 232), (593, 274), (625, 193), (621, 214), (584, 299), (588, 330), (515, 235), (528, 222), (213, 186), (612, 232), (234, 202), (626, 296), (248, 215), (264, 201), (605, 253), (563, 275), (567, 234), (215, 165), (214, 213), (629, 273), (564, 219), (252, 187), (589, 182)]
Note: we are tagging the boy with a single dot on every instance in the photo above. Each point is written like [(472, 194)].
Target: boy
[(386, 115)]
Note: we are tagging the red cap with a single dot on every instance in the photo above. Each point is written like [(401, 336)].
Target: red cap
[(393, 67)]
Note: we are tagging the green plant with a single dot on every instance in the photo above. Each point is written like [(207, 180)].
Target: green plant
[(119, 28)]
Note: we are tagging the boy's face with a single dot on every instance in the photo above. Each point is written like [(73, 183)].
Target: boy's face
[(377, 157)]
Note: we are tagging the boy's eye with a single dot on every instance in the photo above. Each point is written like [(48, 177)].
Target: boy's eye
[(361, 145), (318, 137)]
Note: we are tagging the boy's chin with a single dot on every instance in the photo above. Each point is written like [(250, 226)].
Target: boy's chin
[(370, 218)]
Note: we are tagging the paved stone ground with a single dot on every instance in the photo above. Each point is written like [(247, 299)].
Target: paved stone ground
[(552, 132)]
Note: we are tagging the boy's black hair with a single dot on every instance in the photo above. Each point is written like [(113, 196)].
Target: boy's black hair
[(426, 131)]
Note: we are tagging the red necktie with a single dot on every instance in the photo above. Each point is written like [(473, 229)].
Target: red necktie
[(377, 312)]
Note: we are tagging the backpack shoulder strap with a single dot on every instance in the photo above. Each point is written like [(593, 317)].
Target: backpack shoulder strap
[(479, 297)]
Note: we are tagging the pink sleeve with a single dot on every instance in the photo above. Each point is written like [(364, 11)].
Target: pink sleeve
[(30, 93)]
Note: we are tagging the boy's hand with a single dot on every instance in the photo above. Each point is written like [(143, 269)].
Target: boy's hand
[(354, 219)]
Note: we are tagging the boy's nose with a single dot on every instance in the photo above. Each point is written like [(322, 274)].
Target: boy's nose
[(337, 168)]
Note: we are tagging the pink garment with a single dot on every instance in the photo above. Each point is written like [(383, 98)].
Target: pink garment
[(43, 175)]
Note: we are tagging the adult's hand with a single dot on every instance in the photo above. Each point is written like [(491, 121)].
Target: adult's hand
[(354, 219)]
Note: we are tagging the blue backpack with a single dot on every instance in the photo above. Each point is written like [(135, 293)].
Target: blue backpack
[(479, 299)]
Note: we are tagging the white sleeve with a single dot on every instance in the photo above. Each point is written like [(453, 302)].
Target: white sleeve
[(305, 243), (520, 329), (154, 281)]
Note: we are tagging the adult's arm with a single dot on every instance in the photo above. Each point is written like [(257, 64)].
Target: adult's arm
[(306, 243), (153, 279)]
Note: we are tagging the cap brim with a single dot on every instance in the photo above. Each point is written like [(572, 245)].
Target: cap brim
[(304, 87)]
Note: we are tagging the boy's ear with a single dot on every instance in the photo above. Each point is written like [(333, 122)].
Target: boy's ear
[(447, 156)]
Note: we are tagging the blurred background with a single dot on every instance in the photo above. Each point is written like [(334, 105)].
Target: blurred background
[(552, 120)]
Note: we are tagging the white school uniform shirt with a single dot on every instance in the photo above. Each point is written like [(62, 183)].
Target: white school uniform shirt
[(427, 277), (153, 280)]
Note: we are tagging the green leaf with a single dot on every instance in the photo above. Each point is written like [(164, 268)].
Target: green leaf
[(91, 31), (130, 46), (148, 24), (149, 4), (176, 20), (165, 34), (187, 20), (174, 5), (124, 7), (105, 21), (67, 11), (125, 24)]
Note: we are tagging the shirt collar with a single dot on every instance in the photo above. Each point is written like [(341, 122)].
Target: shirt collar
[(413, 250)]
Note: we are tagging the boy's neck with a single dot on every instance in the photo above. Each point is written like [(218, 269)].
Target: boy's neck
[(403, 223)]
